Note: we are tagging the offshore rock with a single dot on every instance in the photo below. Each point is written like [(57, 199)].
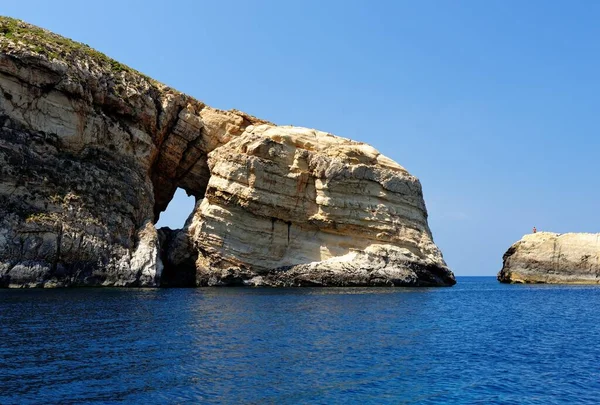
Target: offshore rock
[(546, 257), (92, 151)]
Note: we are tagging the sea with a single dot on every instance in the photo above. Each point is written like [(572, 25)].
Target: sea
[(479, 342)]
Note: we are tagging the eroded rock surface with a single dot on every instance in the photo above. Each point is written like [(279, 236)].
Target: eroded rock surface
[(295, 206), (546, 257), (92, 151)]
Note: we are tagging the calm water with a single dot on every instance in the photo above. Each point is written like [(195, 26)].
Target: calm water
[(477, 342)]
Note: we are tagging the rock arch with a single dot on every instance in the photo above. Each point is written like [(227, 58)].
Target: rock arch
[(92, 151)]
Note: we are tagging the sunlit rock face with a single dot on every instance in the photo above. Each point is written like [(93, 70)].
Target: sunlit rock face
[(546, 257), (92, 151), (290, 206)]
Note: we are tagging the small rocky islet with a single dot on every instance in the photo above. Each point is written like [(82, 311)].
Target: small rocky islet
[(92, 151), (553, 258)]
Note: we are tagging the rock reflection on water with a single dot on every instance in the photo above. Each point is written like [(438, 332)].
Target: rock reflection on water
[(477, 341)]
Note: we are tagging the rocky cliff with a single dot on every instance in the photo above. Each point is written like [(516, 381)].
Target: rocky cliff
[(545, 257), (92, 151)]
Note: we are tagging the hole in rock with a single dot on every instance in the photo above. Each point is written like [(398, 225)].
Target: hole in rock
[(178, 211), (177, 255)]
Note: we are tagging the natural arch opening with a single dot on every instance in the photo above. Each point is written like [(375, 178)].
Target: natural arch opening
[(177, 255), (179, 209)]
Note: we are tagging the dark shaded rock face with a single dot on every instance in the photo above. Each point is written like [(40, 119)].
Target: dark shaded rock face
[(178, 257), (71, 220), (91, 152)]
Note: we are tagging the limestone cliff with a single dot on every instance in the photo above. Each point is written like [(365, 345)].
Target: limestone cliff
[(546, 257), (295, 206), (91, 151)]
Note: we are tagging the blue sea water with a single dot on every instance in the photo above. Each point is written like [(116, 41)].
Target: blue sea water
[(477, 342)]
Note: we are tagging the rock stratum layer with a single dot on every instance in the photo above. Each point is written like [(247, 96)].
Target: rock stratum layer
[(546, 257), (92, 151)]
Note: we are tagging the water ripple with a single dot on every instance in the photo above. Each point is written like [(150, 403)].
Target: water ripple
[(477, 342)]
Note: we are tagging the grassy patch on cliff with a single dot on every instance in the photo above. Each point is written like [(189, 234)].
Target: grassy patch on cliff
[(54, 46)]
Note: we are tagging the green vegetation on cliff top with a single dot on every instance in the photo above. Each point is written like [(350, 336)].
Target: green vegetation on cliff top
[(54, 46), (19, 37)]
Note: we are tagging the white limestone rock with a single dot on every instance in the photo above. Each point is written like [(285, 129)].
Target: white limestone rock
[(298, 206), (546, 257)]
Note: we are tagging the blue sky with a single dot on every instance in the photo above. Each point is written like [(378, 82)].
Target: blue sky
[(494, 105)]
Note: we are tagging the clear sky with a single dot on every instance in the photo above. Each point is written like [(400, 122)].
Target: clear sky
[(494, 105)]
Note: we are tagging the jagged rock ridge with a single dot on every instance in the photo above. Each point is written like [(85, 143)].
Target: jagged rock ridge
[(92, 151)]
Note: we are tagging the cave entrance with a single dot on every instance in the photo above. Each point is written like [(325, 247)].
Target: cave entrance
[(179, 209)]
